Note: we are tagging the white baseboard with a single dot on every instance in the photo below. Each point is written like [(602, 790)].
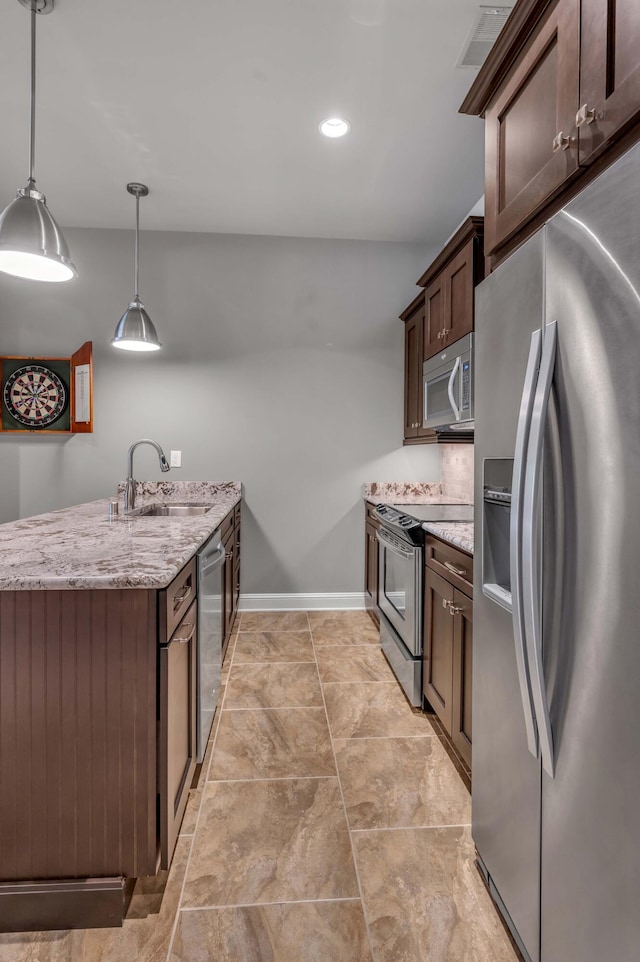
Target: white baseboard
[(341, 601)]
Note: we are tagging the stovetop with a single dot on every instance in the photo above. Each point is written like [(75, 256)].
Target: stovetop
[(407, 519)]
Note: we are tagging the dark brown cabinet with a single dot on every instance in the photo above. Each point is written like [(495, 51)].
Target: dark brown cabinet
[(448, 641), (176, 729), (559, 90), (231, 573), (437, 677), (461, 715), (413, 319), (530, 134), (371, 558), (438, 317), (609, 72)]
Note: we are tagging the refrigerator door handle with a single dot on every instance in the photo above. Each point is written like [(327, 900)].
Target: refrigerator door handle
[(515, 539), (530, 542), (450, 391)]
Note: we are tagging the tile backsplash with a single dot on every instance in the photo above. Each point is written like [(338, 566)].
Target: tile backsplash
[(457, 471)]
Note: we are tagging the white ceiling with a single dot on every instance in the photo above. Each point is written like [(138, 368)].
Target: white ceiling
[(215, 104)]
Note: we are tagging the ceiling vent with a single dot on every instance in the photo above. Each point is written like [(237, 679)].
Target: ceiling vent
[(483, 35)]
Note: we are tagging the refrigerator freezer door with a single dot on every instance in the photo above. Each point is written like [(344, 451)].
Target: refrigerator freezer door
[(591, 595), (506, 777)]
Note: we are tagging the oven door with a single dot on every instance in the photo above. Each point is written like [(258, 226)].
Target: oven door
[(437, 396), (400, 565)]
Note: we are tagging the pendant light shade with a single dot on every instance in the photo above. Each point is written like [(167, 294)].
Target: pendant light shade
[(135, 330), (31, 243)]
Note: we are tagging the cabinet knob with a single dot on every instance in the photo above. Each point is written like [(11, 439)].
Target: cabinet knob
[(561, 142), (445, 331), (229, 555), (586, 115), (454, 609), (445, 603)]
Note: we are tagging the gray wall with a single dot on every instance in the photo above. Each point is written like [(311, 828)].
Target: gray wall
[(282, 367)]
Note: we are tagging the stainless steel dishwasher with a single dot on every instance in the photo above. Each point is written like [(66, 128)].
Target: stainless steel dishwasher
[(210, 561)]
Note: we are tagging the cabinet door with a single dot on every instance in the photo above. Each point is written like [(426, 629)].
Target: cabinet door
[(609, 72), (177, 730), (412, 376), (437, 669), (531, 135), (236, 573), (457, 283), (462, 674), (371, 569), (434, 319), (228, 585)]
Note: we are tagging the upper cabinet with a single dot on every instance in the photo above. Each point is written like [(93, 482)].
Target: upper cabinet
[(609, 72), (439, 316), (560, 86)]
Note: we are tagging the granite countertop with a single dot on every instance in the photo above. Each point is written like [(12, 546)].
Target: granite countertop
[(457, 533), (80, 547)]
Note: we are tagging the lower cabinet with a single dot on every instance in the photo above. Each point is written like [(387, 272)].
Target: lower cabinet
[(231, 573), (448, 643), (371, 554), (176, 729)]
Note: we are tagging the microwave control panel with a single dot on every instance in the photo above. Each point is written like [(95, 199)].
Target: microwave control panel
[(466, 385)]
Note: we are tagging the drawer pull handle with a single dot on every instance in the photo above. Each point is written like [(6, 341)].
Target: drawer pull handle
[(586, 115), (456, 569), (179, 596), (185, 639), (561, 142)]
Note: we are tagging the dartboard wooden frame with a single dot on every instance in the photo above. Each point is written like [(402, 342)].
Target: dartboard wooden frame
[(75, 372)]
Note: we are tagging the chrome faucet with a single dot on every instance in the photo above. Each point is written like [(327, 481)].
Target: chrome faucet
[(130, 482)]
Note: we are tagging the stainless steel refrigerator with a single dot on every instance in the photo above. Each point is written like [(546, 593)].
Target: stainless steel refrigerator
[(556, 683)]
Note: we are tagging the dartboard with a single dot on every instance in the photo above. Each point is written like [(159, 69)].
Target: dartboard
[(35, 396)]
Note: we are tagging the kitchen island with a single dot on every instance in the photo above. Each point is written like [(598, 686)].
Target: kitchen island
[(98, 628)]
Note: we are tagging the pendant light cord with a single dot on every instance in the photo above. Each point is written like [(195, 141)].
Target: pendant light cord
[(32, 130), (137, 233)]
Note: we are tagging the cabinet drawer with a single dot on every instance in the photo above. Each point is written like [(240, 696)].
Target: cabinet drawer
[(453, 565), (176, 599)]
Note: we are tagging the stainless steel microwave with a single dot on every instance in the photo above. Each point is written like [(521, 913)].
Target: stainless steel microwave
[(448, 388)]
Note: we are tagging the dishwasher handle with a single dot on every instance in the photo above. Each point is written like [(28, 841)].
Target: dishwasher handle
[(213, 560)]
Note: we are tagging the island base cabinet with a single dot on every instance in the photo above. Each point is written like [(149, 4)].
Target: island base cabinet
[(177, 730)]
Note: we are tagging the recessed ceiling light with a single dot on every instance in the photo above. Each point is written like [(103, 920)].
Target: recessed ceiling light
[(335, 127)]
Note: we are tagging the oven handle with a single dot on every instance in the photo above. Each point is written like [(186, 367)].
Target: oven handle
[(409, 555), (452, 400)]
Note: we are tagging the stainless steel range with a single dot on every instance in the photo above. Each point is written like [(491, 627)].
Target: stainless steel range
[(400, 577)]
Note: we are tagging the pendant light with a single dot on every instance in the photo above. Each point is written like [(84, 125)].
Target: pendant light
[(135, 330), (31, 243)]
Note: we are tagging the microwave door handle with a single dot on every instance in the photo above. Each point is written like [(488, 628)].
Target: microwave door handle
[(450, 391), (515, 539), (530, 560)]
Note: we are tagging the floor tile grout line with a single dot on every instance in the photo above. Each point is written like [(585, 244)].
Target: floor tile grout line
[(251, 905), (174, 928), (249, 664), (268, 778), (279, 708), (346, 818), (409, 828)]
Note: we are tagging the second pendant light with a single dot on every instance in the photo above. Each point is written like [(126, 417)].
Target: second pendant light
[(135, 330)]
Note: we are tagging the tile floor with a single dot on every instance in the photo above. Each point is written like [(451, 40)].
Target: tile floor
[(329, 824)]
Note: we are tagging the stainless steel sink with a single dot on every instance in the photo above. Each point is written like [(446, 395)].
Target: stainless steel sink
[(172, 509)]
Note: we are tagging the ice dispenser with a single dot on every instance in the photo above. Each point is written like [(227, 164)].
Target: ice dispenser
[(496, 525)]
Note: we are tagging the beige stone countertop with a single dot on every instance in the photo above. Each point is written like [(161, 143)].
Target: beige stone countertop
[(457, 533), (80, 547)]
